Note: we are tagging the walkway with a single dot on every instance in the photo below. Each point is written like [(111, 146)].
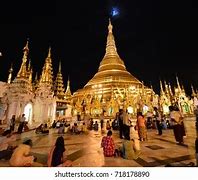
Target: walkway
[(85, 151)]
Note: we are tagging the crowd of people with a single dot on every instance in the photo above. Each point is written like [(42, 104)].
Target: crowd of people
[(22, 156), (131, 134)]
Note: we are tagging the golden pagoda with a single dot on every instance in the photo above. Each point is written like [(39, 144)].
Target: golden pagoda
[(58, 85), (59, 93), (24, 75), (68, 94), (47, 73), (112, 84)]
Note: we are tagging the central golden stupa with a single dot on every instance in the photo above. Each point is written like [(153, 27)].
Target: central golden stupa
[(112, 87)]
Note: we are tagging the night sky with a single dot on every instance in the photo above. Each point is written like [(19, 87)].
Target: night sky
[(156, 39)]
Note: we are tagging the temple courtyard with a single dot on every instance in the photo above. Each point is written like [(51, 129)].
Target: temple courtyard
[(85, 151)]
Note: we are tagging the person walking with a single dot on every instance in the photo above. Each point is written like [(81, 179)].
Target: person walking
[(141, 126), (21, 124), (178, 127), (12, 123), (120, 122), (102, 121), (157, 117)]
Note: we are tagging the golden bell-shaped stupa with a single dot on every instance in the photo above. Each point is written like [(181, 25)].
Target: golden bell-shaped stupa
[(111, 82)]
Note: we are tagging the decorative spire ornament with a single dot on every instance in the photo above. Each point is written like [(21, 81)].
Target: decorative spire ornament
[(10, 75), (110, 46), (47, 73), (23, 71)]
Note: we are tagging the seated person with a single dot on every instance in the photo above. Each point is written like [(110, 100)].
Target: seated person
[(134, 136), (21, 156), (6, 132), (45, 129), (128, 150), (1, 131), (115, 124), (164, 125), (54, 124), (90, 125), (67, 128), (108, 126), (6, 149), (95, 126), (57, 156), (61, 129), (84, 128), (58, 124), (39, 129), (26, 128), (75, 128), (108, 145)]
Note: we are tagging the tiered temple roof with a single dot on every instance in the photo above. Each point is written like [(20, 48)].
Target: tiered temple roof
[(59, 85)]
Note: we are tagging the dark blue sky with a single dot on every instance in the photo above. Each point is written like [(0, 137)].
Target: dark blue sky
[(155, 39)]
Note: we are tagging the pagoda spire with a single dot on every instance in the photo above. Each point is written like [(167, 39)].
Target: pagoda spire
[(170, 89), (29, 65), (110, 46), (59, 67), (161, 88), (68, 94), (68, 91), (30, 75), (47, 73), (59, 86), (193, 91), (183, 89), (10, 75), (49, 53), (166, 88), (36, 77), (178, 85), (35, 82), (23, 71)]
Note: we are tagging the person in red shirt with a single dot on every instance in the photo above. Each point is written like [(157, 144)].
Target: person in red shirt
[(108, 145)]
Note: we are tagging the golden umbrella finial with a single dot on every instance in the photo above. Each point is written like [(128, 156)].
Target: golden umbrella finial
[(49, 52), (26, 48), (110, 27), (59, 67)]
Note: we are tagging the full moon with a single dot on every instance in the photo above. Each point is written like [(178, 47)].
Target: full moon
[(115, 12)]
